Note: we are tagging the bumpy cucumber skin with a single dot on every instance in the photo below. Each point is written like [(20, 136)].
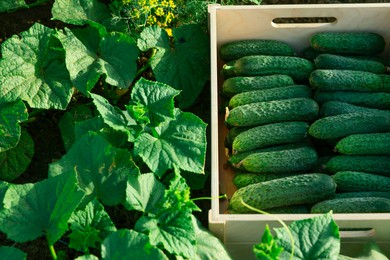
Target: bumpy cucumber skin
[(293, 91), (378, 100), (361, 181), (234, 85), (299, 189), (338, 62), (244, 179), (270, 134), (360, 43), (339, 126), (353, 205), (374, 164), (256, 65), (346, 80), (332, 108), (295, 109), (375, 143), (237, 49), (286, 161), (362, 194)]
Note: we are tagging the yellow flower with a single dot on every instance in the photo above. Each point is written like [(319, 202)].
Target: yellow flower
[(169, 31), (159, 11)]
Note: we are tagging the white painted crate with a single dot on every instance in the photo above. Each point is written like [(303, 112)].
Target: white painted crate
[(240, 232)]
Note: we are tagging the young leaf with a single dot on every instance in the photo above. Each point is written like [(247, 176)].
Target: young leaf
[(7, 252), (177, 143), (89, 226), (144, 193), (129, 244), (91, 53), (11, 114), (268, 248), (101, 168), (11, 5), (87, 257), (42, 208), (33, 69), (15, 161), (315, 238)]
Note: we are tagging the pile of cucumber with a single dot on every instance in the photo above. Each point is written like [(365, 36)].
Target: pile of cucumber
[(308, 134)]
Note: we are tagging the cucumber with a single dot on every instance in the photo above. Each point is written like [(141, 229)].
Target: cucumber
[(347, 80), (256, 65), (295, 109), (361, 43), (375, 143), (236, 49), (242, 179), (353, 205), (291, 209), (375, 164), (362, 194), (361, 181), (385, 81), (293, 91), (339, 126), (298, 189), (269, 135), (232, 133), (285, 161), (332, 108), (234, 85), (378, 100), (338, 62)]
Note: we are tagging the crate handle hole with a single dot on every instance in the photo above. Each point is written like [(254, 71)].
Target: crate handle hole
[(282, 22), (357, 233)]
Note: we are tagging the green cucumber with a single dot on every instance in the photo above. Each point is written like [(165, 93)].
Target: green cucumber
[(257, 65), (298, 189), (353, 205), (242, 179), (236, 49), (362, 194), (285, 161), (269, 135), (232, 133), (346, 80), (293, 91), (375, 143), (375, 164), (290, 209), (332, 108), (361, 181), (378, 100), (295, 109), (235, 85), (339, 126), (360, 43), (338, 62)]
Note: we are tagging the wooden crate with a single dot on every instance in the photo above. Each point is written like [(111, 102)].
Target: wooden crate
[(240, 232)]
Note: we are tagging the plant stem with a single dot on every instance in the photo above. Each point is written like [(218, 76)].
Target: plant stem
[(147, 65), (53, 252), (37, 3), (210, 198)]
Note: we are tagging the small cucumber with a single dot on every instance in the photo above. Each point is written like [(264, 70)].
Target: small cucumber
[(332, 108), (269, 135), (256, 65), (294, 109), (378, 100), (338, 62), (375, 143), (375, 164), (360, 43), (242, 179), (293, 91), (298, 189), (339, 126), (353, 205), (347, 80), (236, 49), (234, 85), (361, 181)]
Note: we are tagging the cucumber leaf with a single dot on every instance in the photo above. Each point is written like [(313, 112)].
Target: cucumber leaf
[(7, 252), (33, 69), (11, 114), (11, 5), (87, 257), (129, 244), (42, 208), (268, 248)]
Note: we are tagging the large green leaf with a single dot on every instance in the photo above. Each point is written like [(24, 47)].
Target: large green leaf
[(15, 161), (11, 5), (11, 114), (42, 208), (177, 143), (101, 168), (92, 53), (183, 62), (33, 69), (7, 252), (129, 244)]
